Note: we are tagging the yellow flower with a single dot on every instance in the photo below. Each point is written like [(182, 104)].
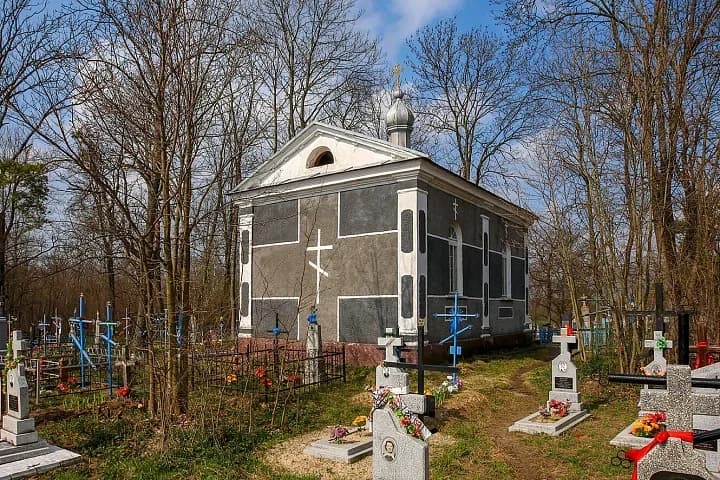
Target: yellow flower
[(359, 420)]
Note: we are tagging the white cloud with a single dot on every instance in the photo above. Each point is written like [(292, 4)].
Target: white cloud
[(396, 20)]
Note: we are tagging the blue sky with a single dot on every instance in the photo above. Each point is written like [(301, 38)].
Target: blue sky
[(395, 20)]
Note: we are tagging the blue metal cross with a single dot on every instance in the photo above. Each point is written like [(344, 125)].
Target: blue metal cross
[(455, 317), (79, 340), (109, 342)]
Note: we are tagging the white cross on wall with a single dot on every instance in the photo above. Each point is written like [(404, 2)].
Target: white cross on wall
[(455, 205), (316, 265)]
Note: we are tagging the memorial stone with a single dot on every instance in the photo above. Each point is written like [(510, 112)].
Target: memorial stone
[(659, 344), (564, 390), (397, 454), (18, 427), (675, 458), (313, 348)]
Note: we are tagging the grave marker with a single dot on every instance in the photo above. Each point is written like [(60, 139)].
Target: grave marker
[(670, 454), (455, 317), (18, 427), (313, 348), (397, 453), (389, 373), (659, 344), (564, 390)]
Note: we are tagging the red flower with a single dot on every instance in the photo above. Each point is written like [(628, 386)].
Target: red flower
[(266, 381), (124, 391), (63, 387), (405, 421), (260, 372), (292, 378)]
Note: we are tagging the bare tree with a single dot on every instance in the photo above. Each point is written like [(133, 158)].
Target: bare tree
[(472, 96), (318, 64)]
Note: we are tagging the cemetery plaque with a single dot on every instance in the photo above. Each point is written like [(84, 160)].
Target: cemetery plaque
[(565, 383), (13, 403)]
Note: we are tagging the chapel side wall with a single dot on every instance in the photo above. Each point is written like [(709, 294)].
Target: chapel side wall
[(506, 314)]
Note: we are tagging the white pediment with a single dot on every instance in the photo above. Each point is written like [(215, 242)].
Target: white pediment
[(350, 151)]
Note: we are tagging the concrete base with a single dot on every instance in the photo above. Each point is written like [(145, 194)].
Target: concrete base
[(53, 457), (527, 425), (625, 439), (16, 425), (349, 452), (10, 453), (18, 438)]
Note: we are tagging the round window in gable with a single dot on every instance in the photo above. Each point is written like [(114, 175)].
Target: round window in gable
[(319, 157)]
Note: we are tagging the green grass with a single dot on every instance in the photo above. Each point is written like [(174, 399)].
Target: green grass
[(217, 444)]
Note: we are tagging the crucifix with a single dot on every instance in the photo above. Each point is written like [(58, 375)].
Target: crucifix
[(316, 265), (455, 208), (455, 317), (44, 326)]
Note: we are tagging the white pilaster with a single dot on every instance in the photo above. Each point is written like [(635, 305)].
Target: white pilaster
[(412, 263), (245, 224)]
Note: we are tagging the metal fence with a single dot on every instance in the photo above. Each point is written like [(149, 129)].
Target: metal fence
[(283, 369)]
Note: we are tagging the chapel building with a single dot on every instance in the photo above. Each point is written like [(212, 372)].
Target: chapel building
[(376, 235)]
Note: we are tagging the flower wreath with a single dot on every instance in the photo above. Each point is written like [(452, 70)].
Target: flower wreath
[(408, 420)]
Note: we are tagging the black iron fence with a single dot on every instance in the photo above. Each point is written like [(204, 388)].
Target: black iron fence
[(283, 369)]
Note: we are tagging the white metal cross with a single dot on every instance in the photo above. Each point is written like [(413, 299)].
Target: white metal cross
[(316, 266), (657, 345), (455, 205)]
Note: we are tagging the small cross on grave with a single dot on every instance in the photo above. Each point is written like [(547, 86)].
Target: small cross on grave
[(389, 374), (19, 344), (316, 265), (565, 341), (419, 403), (455, 317), (564, 372), (659, 344), (109, 343)]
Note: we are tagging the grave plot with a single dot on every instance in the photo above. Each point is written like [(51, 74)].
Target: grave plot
[(673, 453), (266, 371), (563, 409)]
